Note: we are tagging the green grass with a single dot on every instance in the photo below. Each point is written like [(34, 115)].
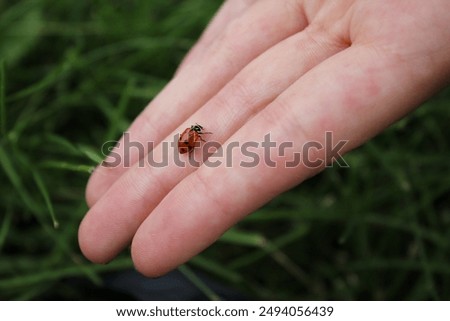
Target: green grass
[(74, 74)]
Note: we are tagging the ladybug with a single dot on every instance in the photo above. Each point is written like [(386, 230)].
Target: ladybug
[(189, 138)]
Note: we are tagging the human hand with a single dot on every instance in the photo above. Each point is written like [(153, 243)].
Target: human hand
[(296, 69)]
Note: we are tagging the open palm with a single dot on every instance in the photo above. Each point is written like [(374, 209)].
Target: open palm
[(295, 69)]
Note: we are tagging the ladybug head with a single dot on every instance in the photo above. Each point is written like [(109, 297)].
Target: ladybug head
[(197, 128)]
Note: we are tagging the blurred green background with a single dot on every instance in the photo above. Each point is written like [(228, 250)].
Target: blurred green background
[(75, 73)]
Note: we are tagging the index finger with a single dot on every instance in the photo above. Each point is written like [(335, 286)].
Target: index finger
[(195, 85)]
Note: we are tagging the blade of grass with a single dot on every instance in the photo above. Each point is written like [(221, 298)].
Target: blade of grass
[(191, 276), (35, 291), (90, 153), (67, 166), (280, 242), (56, 75), (118, 112), (415, 229), (43, 189), (286, 262), (269, 248), (15, 179), (56, 274), (216, 269), (62, 143), (20, 28), (234, 236), (2, 99), (426, 270), (6, 224)]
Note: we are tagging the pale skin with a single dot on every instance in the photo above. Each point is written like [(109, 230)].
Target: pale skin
[(293, 68)]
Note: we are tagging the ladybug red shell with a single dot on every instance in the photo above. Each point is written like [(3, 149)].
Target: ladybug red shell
[(189, 138)]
